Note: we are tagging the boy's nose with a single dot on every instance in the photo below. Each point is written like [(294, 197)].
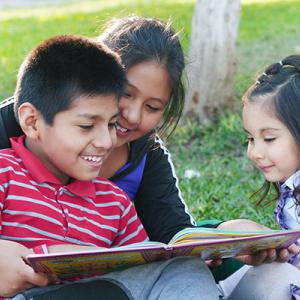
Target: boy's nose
[(104, 140)]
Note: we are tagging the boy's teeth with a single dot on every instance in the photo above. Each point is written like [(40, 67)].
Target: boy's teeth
[(121, 128), (92, 158)]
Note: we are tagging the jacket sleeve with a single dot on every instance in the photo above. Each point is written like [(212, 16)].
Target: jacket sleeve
[(158, 201), (8, 124)]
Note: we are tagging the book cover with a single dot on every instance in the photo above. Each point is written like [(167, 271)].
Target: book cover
[(206, 243)]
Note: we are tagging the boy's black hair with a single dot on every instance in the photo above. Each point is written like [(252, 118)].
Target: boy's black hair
[(65, 67), (137, 40), (280, 84)]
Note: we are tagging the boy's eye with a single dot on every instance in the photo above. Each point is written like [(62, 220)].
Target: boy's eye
[(127, 95), (86, 127), (112, 125)]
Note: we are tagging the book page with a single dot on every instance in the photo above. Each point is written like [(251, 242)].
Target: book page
[(188, 235)]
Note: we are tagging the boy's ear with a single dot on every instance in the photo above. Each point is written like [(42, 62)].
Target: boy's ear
[(29, 117)]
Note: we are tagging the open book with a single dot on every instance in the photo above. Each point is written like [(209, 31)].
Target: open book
[(207, 243)]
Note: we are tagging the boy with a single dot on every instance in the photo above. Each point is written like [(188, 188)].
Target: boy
[(67, 105)]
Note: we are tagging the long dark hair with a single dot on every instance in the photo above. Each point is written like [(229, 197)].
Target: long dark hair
[(137, 40), (281, 83)]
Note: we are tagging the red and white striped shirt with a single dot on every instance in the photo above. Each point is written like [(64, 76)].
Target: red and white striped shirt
[(36, 208)]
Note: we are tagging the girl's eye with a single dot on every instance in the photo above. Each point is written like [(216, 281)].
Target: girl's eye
[(250, 140), (269, 140), (245, 143), (153, 108), (86, 127)]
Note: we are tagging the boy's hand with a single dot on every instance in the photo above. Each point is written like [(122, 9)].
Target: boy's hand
[(15, 274)]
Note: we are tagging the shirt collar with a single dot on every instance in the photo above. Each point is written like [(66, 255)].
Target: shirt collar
[(292, 181), (41, 174)]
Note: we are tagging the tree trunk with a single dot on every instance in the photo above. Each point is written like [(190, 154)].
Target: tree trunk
[(212, 58)]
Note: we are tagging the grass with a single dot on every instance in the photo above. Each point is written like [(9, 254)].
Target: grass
[(269, 30)]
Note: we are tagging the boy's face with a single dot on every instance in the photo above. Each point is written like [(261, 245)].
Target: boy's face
[(79, 139)]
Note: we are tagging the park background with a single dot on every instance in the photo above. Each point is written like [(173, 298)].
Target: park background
[(215, 176)]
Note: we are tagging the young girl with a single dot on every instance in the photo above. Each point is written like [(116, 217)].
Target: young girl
[(271, 117), (274, 138)]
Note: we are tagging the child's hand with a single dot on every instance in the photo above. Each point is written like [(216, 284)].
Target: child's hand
[(266, 256), (294, 249), (242, 224), (15, 274), (269, 256)]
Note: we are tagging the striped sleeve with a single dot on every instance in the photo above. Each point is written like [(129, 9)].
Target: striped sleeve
[(131, 229), (2, 197)]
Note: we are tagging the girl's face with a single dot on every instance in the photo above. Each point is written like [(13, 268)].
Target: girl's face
[(271, 146), (142, 108)]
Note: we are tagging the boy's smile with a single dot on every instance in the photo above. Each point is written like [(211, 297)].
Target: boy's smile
[(79, 139)]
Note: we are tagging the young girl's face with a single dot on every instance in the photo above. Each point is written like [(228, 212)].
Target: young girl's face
[(142, 108), (271, 146)]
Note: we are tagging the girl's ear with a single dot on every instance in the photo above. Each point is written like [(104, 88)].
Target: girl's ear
[(29, 117)]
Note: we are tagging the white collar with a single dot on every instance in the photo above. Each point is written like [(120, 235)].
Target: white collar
[(292, 181)]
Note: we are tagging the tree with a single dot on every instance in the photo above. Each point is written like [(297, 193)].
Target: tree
[(212, 58)]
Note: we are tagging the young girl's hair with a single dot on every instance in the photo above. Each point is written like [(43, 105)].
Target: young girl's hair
[(137, 40), (280, 83)]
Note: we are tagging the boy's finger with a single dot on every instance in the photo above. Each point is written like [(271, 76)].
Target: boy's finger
[(34, 278)]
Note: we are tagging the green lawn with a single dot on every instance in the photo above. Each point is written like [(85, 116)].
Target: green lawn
[(269, 30)]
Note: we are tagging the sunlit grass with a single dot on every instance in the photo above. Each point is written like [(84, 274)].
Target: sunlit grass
[(245, 2), (88, 6)]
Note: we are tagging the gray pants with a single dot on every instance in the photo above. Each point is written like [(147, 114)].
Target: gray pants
[(179, 278), (264, 282)]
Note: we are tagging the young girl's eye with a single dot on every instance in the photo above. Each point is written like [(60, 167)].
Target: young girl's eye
[(269, 140), (250, 140)]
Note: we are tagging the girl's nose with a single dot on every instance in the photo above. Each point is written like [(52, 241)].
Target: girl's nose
[(255, 152), (131, 111)]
